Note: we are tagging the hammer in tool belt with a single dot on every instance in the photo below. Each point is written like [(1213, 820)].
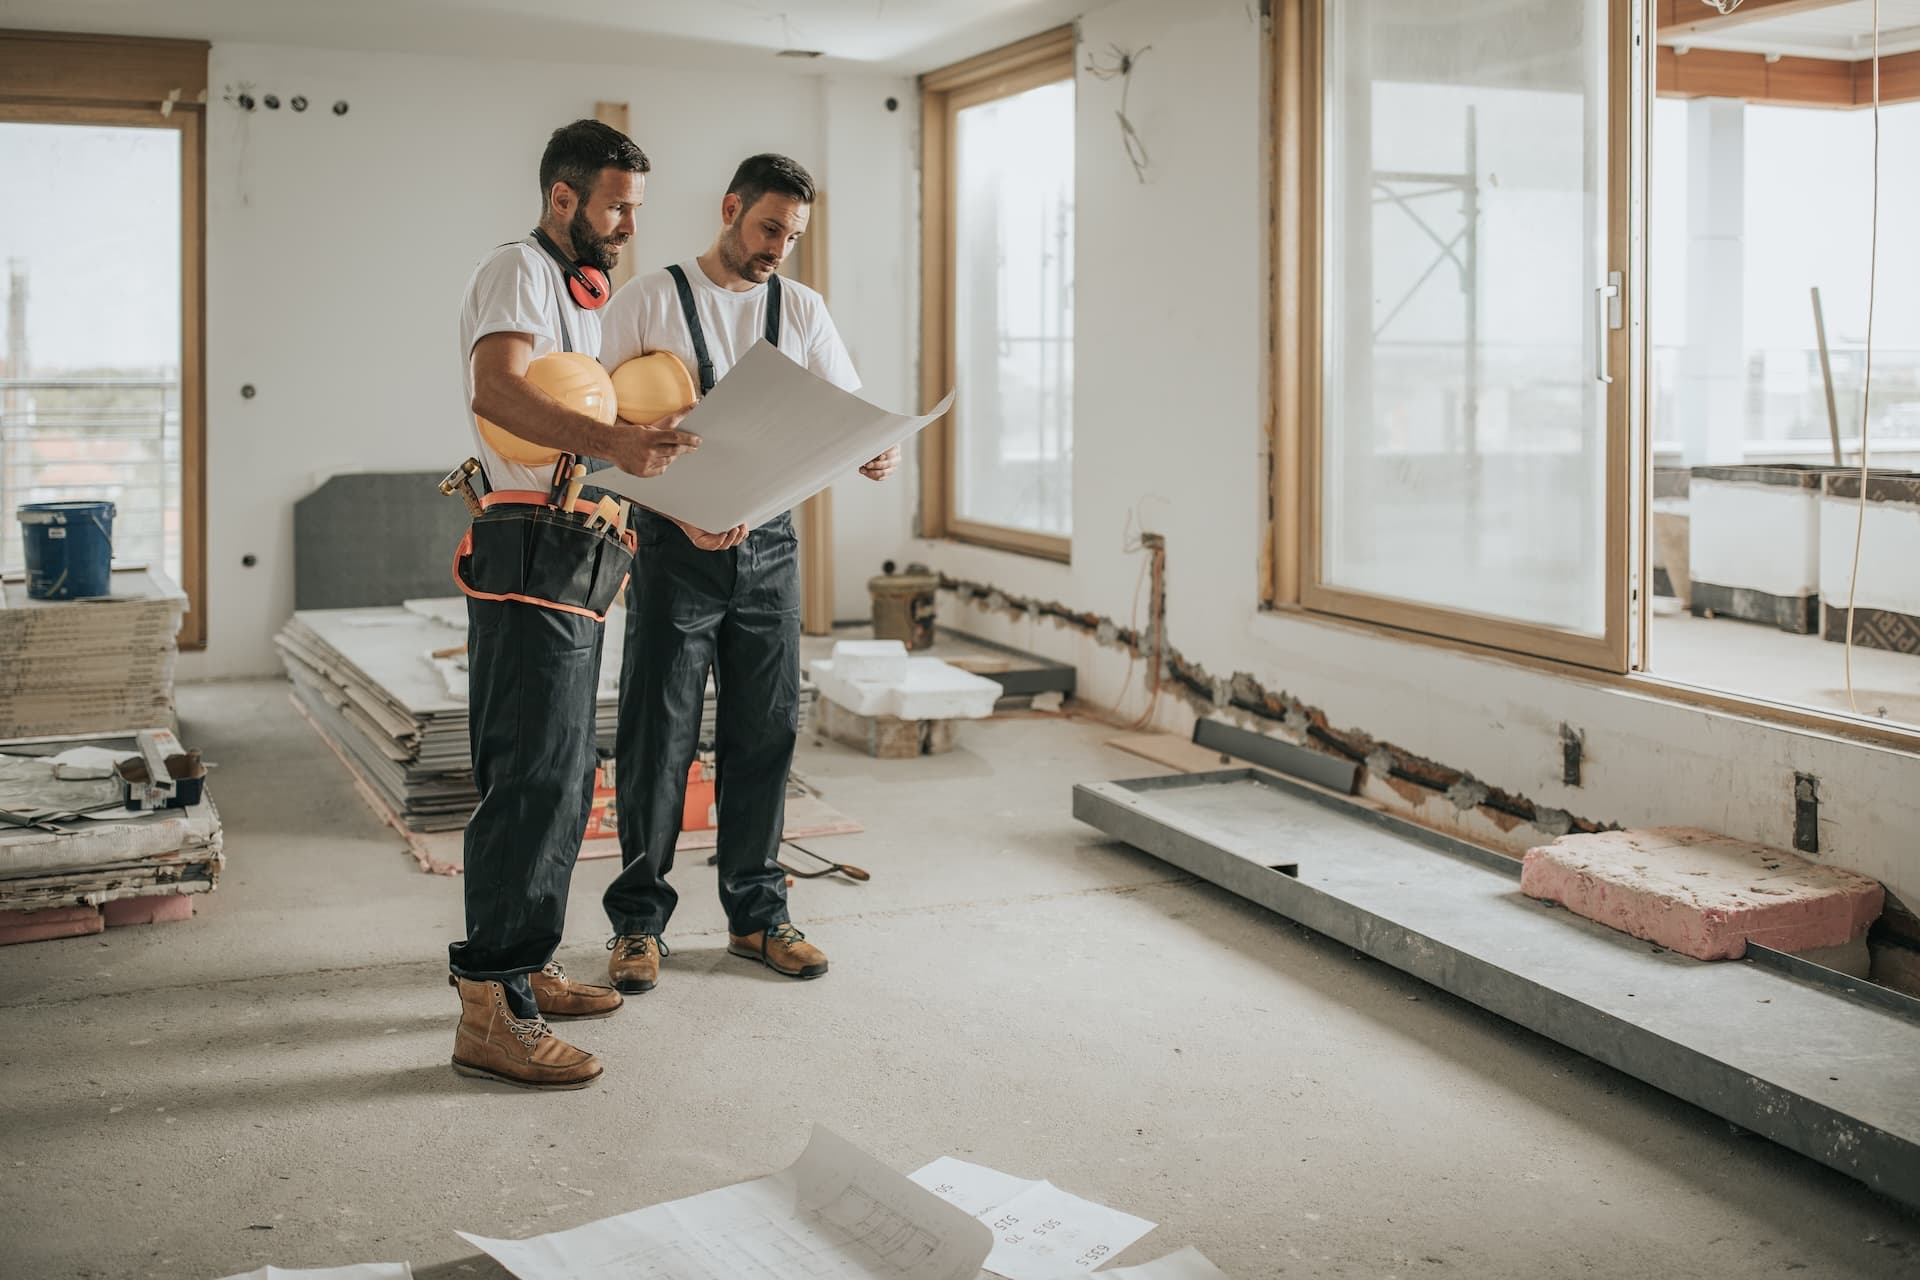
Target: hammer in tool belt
[(460, 481)]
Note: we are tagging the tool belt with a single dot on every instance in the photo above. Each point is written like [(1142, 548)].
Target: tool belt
[(522, 548)]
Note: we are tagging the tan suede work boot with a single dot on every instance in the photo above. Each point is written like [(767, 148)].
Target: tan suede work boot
[(559, 996), (783, 949), (492, 1044), (634, 965)]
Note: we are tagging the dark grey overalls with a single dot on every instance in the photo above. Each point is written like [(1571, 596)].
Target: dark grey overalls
[(533, 672), (738, 613)]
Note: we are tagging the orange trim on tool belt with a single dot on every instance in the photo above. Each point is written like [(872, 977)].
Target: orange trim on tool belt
[(535, 498)]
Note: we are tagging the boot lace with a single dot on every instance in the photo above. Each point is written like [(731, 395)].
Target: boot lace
[(529, 1032), (785, 934), (630, 945)]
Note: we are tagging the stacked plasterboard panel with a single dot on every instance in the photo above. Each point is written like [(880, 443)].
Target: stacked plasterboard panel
[(387, 687), (86, 850), (89, 666)]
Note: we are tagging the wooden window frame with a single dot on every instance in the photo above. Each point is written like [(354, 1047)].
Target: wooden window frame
[(1043, 59), (1294, 559), (136, 82), (1291, 548)]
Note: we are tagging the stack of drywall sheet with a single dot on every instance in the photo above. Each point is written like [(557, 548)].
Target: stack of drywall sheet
[(370, 681), (71, 857), (89, 666)]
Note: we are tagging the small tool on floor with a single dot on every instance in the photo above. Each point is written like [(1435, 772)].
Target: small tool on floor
[(850, 872), (460, 481)]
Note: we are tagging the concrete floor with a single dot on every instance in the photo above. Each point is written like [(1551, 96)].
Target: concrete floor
[(269, 1082), (1757, 661)]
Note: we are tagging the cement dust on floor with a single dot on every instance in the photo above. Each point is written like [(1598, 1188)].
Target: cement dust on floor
[(269, 1082), (1757, 661)]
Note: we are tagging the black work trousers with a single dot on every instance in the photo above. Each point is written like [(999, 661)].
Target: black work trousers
[(532, 676), (738, 613)]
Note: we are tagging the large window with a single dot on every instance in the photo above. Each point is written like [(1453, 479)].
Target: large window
[(1465, 455), (90, 395), (999, 297), (1575, 371), (101, 370)]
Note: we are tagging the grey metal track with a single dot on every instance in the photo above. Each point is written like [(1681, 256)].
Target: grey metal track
[(1785, 1054)]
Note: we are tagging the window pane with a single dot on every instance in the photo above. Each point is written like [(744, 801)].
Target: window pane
[(90, 375), (1464, 436), (1013, 311)]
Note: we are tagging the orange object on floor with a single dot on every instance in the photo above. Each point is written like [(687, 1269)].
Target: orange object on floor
[(604, 822), (698, 814)]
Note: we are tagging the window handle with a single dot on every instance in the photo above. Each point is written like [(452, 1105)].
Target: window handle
[(1606, 305)]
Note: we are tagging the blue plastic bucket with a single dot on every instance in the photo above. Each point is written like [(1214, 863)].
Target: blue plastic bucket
[(69, 549)]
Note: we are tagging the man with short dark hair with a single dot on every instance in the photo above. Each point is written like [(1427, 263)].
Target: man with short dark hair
[(729, 601), (534, 655)]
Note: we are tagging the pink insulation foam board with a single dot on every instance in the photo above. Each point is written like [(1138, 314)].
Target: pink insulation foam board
[(161, 908), (52, 922), (1701, 893)]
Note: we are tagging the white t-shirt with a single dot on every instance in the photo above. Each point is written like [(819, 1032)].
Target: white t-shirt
[(518, 288), (645, 316)]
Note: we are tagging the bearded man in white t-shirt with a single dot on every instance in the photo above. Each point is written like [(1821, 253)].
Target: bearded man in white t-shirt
[(721, 600), (533, 648)]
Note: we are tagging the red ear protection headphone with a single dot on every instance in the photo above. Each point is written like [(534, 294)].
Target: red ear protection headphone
[(587, 283)]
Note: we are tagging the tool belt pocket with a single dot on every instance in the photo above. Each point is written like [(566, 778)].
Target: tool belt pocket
[(538, 556)]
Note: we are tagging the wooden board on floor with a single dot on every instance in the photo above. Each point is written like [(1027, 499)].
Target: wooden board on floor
[(808, 818), (885, 737), (1176, 753)]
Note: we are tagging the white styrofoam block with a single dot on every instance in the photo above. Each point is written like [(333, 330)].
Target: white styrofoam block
[(871, 661), (1889, 550), (932, 690), (1764, 537)]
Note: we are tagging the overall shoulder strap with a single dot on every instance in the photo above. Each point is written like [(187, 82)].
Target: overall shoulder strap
[(560, 298), (687, 309), (773, 310)]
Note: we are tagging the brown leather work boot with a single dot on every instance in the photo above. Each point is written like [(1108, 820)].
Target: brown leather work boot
[(559, 996), (634, 965), (492, 1044), (783, 949)]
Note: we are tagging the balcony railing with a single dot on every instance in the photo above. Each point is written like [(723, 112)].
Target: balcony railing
[(95, 438)]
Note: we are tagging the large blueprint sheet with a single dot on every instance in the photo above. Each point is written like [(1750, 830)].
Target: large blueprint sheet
[(771, 436), (836, 1214)]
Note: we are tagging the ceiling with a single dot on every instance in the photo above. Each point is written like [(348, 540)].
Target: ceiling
[(896, 36), (1843, 31)]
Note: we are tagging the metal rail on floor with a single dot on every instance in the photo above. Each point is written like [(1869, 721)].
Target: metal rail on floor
[(1786, 1053)]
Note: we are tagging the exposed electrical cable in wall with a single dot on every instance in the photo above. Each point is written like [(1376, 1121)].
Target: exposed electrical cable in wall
[(1866, 386), (1120, 67)]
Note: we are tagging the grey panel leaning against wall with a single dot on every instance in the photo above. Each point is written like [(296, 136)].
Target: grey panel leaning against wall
[(374, 538)]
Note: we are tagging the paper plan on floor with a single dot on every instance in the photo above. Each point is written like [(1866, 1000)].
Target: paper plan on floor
[(363, 1271), (1187, 1264), (771, 436), (836, 1214), (972, 1187), (1039, 1231)]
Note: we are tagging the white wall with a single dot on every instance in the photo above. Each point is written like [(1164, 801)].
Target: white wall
[(1171, 392), (338, 247), (873, 276)]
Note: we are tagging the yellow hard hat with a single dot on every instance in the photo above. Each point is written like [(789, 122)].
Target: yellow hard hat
[(574, 379), (648, 388)]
